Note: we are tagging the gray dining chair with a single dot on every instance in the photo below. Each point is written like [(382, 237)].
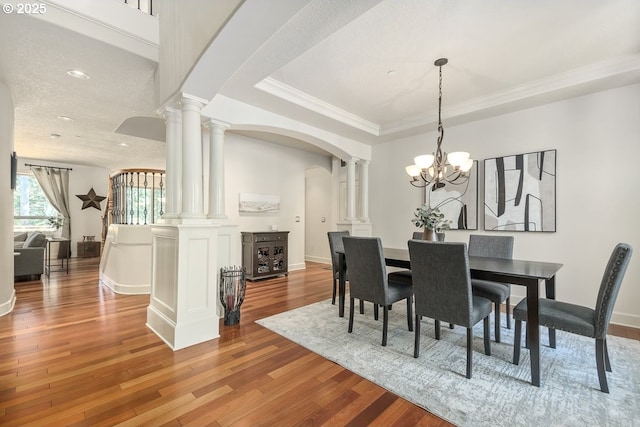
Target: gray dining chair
[(335, 245), (582, 320), (368, 280), (442, 291), (497, 293)]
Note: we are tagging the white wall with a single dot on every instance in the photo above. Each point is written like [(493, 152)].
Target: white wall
[(84, 222), (598, 141), (255, 166), (319, 214), (7, 294)]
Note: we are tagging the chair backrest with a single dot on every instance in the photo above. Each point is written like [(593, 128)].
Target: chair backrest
[(418, 235), (610, 286), (367, 271), (335, 245), (491, 246), (441, 281)]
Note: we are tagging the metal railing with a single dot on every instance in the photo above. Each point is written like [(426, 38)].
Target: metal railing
[(145, 6), (136, 196)]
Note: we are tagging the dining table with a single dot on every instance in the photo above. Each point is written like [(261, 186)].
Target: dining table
[(527, 273)]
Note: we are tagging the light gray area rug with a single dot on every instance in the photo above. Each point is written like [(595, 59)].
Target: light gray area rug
[(498, 394)]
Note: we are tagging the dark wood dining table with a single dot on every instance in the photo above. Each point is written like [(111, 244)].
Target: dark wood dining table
[(518, 272)]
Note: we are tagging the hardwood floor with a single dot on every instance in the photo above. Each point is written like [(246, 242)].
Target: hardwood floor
[(74, 353)]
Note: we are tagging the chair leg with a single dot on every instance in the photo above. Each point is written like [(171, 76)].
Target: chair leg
[(375, 311), (361, 307), (450, 325), (416, 342), (335, 286), (516, 342), (437, 326), (352, 301), (497, 321), (385, 324), (469, 351), (487, 336), (410, 313), (508, 311), (600, 362), (607, 363)]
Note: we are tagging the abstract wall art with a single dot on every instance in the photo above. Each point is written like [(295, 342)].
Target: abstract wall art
[(520, 192), (458, 202)]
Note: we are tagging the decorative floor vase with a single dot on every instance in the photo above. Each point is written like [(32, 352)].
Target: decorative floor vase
[(232, 289)]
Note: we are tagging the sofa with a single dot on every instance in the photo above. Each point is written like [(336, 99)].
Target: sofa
[(29, 263)]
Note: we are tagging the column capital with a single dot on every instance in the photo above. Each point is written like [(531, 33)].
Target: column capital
[(191, 104), (168, 113), (215, 124)]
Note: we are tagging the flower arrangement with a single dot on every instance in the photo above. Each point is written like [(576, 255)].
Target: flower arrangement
[(431, 219), (56, 221)]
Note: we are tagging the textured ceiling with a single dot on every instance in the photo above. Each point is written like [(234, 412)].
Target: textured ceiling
[(328, 66), (34, 58)]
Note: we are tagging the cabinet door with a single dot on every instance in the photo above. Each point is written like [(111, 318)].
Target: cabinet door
[(263, 256), (278, 260)]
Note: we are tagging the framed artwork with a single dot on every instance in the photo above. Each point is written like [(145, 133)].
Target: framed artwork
[(257, 203), (520, 192), (458, 202)]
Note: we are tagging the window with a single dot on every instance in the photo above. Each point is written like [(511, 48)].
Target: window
[(31, 209)]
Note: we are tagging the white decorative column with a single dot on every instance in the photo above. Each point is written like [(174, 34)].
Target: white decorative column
[(351, 190), (357, 226), (216, 169), (187, 252), (173, 118), (364, 190), (192, 192)]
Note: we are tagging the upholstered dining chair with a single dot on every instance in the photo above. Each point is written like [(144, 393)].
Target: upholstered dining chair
[(580, 320), (335, 245), (368, 280), (442, 291), (493, 247)]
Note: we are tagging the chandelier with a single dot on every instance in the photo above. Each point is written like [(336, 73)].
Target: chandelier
[(439, 168)]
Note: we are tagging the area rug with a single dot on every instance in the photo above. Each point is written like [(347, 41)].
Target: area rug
[(498, 394)]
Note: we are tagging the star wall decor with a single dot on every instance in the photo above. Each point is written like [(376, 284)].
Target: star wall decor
[(90, 200)]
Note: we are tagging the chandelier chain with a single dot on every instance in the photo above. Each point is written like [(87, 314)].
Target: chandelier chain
[(440, 167)]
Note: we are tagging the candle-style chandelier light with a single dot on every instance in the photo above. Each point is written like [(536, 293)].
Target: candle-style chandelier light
[(440, 168)]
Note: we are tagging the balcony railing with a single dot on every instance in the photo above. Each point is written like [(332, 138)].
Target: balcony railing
[(136, 196), (145, 6)]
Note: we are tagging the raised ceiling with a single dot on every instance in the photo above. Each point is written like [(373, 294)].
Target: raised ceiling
[(359, 68)]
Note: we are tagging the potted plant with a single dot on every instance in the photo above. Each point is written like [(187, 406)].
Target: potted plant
[(56, 222), (432, 220)]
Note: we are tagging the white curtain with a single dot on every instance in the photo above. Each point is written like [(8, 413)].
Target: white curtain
[(55, 185)]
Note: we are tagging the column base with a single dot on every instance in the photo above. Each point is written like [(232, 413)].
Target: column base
[(356, 228)]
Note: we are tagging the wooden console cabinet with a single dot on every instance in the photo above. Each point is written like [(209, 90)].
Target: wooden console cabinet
[(264, 254), (88, 249)]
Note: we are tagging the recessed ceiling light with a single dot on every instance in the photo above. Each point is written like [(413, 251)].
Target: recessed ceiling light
[(78, 74), (54, 136), (123, 144), (66, 118)]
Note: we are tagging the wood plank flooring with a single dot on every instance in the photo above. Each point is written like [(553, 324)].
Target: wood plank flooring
[(73, 353)]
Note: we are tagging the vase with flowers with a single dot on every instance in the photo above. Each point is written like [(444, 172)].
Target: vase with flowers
[(433, 222)]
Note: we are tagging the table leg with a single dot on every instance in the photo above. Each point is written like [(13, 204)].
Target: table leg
[(533, 330), (550, 292), (342, 266)]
